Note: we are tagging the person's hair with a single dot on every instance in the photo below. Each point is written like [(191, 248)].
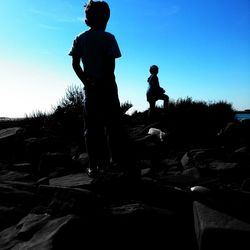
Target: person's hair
[(153, 69), (97, 13)]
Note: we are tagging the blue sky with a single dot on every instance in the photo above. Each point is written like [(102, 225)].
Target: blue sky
[(202, 48)]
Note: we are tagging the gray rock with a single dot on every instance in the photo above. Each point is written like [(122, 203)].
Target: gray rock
[(192, 172), (17, 199), (246, 185), (83, 160), (10, 214), (242, 156), (42, 232), (223, 166), (15, 196), (200, 189), (199, 158), (10, 133), (22, 167), (53, 162), (35, 147), (61, 201), (218, 230), (138, 225), (10, 143), (8, 175), (71, 180)]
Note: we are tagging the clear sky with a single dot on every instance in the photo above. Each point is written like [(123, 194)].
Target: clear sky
[(202, 48)]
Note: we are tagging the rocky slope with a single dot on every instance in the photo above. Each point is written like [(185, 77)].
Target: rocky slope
[(187, 195)]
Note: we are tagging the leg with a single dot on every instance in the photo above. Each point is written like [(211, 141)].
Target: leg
[(122, 150), (151, 109), (95, 135), (120, 144), (165, 99), (96, 145)]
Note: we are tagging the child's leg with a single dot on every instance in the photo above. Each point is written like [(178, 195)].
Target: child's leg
[(95, 134), (120, 145), (151, 111), (165, 99), (122, 149), (96, 145)]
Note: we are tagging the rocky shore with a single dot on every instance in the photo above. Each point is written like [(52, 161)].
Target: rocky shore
[(189, 195)]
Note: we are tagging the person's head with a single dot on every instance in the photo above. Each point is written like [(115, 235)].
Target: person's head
[(154, 70), (97, 14)]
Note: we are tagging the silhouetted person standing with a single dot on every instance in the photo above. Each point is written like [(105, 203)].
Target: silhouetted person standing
[(97, 50), (155, 92)]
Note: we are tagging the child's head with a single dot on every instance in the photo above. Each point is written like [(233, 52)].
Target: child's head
[(154, 70), (97, 14)]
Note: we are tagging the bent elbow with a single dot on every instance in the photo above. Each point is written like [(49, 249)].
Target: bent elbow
[(75, 65), (75, 62)]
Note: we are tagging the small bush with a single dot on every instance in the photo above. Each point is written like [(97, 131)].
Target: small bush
[(73, 100), (37, 118), (69, 112), (125, 107)]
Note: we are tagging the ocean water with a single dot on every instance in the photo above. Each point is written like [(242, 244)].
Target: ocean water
[(238, 116), (242, 116)]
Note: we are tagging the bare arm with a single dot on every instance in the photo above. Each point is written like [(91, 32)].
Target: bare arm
[(78, 69)]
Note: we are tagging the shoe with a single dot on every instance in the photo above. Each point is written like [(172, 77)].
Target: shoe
[(92, 172)]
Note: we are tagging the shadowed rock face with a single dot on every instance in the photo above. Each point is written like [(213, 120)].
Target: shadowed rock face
[(49, 202), (216, 229), (41, 232)]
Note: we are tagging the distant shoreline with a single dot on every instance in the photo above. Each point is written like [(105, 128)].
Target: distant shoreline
[(11, 119), (238, 114), (247, 111)]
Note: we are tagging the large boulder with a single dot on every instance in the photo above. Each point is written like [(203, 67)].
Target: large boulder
[(62, 200), (43, 232), (231, 136), (80, 180), (216, 229), (54, 162), (211, 163), (139, 225), (200, 157), (8, 134), (10, 214), (17, 199), (10, 143), (242, 156), (35, 147), (246, 132)]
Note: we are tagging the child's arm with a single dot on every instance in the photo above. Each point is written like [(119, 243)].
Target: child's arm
[(78, 69)]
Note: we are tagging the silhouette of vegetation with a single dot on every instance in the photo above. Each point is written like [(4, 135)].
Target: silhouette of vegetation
[(38, 116), (125, 107), (188, 120), (68, 115), (192, 111), (73, 100), (37, 119), (69, 111)]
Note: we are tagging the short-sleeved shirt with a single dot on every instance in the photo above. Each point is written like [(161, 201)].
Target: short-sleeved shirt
[(153, 82), (154, 90), (93, 47)]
